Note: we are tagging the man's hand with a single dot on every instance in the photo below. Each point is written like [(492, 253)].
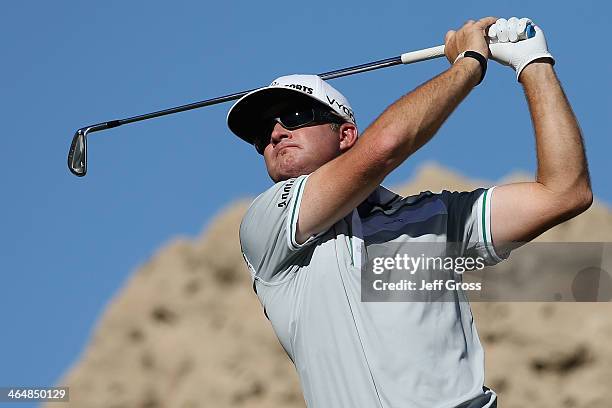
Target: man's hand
[(507, 48), (472, 36)]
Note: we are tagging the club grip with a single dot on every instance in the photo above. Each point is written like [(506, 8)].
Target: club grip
[(437, 52), (422, 55)]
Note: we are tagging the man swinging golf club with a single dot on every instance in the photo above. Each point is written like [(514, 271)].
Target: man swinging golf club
[(306, 239)]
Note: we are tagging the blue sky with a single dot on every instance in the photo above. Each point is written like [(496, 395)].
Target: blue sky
[(68, 244)]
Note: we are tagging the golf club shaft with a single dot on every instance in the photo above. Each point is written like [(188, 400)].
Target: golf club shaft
[(407, 58), (77, 155)]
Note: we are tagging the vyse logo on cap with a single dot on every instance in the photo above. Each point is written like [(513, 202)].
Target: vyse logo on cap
[(342, 107)]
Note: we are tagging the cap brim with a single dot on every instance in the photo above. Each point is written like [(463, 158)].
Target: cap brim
[(248, 117)]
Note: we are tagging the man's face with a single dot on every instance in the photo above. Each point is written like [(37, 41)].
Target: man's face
[(292, 153)]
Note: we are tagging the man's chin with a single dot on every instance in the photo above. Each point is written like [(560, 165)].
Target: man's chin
[(287, 173), (291, 166)]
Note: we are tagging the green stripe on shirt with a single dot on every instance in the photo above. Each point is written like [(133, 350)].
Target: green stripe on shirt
[(297, 197), (484, 223)]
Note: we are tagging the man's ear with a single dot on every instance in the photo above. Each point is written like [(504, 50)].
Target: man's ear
[(348, 136)]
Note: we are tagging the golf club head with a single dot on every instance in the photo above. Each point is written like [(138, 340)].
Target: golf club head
[(77, 156)]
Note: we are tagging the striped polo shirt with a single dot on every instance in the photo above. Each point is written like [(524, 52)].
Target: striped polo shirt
[(351, 353)]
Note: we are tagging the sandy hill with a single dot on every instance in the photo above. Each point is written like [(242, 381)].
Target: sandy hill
[(187, 331)]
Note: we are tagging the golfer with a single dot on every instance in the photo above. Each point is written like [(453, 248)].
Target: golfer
[(307, 238)]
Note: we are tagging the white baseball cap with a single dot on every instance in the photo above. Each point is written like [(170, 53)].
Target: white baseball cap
[(247, 116)]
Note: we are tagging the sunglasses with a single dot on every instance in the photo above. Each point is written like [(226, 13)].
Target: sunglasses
[(295, 119)]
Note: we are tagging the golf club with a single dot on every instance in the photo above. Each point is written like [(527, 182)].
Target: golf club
[(77, 156)]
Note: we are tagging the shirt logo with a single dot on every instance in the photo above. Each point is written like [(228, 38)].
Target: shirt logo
[(285, 194)]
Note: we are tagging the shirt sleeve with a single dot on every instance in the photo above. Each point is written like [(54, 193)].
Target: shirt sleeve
[(267, 232), (469, 223)]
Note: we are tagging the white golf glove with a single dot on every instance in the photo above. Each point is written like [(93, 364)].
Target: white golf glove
[(510, 46)]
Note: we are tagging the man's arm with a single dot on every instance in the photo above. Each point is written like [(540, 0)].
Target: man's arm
[(337, 187), (522, 211)]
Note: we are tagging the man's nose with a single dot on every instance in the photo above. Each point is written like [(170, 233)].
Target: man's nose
[(279, 133)]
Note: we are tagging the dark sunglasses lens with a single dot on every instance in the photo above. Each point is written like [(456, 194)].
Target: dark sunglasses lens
[(263, 138), (295, 119)]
